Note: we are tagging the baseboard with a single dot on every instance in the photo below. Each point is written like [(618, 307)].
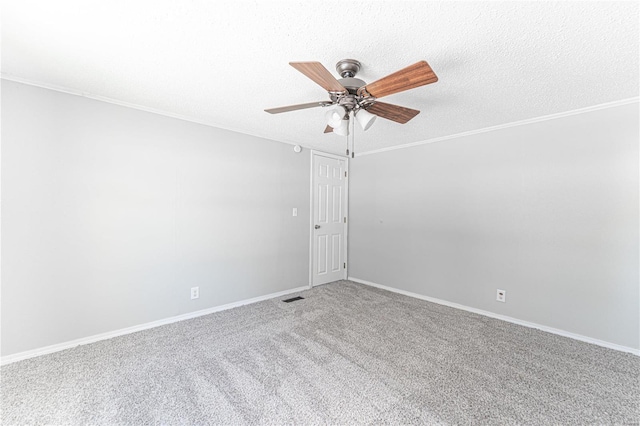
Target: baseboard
[(503, 318), (111, 334)]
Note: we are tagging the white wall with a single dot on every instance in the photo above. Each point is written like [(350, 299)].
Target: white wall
[(546, 211), (110, 215)]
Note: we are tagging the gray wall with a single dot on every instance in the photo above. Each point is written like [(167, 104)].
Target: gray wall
[(546, 211), (110, 215)]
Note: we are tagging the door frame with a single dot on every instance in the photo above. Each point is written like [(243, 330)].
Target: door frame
[(312, 154)]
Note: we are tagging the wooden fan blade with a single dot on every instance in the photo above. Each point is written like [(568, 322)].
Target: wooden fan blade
[(328, 129), (296, 107), (318, 73), (415, 75), (393, 112)]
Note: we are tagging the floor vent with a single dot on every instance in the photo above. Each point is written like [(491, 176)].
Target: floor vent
[(293, 299)]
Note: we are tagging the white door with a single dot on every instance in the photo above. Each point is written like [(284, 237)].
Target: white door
[(329, 218)]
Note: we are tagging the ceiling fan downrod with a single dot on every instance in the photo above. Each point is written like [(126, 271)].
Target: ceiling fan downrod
[(348, 68)]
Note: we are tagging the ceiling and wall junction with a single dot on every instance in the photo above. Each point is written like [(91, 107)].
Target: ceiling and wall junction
[(223, 63)]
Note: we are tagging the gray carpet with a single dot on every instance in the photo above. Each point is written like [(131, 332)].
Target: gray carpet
[(346, 354)]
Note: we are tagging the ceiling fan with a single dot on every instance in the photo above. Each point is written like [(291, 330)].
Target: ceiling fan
[(350, 96)]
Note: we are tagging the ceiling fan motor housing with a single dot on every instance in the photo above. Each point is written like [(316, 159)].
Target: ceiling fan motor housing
[(352, 84), (348, 68)]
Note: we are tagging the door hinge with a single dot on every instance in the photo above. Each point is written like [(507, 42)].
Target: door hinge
[(345, 173), (345, 266), (345, 220)]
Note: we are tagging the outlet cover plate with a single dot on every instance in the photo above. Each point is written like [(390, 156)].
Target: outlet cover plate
[(501, 296), (195, 292)]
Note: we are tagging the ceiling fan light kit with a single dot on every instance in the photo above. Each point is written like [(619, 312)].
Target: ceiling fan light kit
[(342, 129), (365, 119), (351, 97), (335, 115)]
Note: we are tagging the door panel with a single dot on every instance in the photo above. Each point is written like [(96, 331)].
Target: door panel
[(337, 204), (336, 251), (322, 254), (323, 203), (329, 219)]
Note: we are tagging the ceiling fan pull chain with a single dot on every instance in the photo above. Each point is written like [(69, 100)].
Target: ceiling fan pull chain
[(348, 142), (348, 117), (352, 116)]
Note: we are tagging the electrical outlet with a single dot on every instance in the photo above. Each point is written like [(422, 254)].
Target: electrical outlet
[(195, 292), (295, 211), (501, 296)]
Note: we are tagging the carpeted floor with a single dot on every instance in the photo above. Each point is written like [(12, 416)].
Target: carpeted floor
[(346, 354)]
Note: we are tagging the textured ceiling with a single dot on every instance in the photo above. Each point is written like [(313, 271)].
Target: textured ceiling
[(222, 63)]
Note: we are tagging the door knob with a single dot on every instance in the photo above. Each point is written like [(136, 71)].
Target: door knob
[(317, 226)]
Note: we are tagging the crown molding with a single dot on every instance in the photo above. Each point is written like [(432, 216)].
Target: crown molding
[(507, 125), (62, 89), (88, 95)]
